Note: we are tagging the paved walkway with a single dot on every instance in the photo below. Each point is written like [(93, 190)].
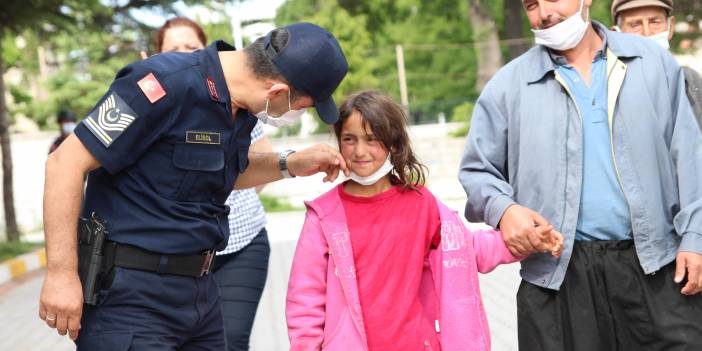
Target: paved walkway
[(25, 332)]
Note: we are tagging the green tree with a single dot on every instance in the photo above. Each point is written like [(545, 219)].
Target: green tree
[(88, 40)]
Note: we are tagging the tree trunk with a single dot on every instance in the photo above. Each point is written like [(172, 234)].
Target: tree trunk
[(514, 28), (486, 41), (7, 193)]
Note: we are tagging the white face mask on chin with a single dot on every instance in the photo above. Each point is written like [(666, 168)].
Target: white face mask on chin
[(286, 119), (565, 35), (376, 176)]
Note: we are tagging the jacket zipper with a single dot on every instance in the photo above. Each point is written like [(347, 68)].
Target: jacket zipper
[(614, 159), (580, 117)]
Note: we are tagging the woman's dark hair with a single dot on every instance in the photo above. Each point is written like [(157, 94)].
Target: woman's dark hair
[(388, 121), (179, 22)]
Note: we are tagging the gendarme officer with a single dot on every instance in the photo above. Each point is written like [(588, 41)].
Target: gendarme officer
[(163, 149)]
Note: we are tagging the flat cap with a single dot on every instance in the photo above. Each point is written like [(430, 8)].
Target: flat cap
[(622, 5)]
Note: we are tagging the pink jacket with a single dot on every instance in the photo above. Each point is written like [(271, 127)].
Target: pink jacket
[(323, 310)]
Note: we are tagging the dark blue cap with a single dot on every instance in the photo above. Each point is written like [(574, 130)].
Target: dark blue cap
[(313, 62)]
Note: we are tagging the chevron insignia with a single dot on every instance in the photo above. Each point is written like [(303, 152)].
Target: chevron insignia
[(109, 120)]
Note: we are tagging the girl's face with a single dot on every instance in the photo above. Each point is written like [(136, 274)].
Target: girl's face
[(364, 154), (180, 39)]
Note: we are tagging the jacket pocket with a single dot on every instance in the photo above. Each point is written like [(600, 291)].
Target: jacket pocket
[(343, 319), (204, 165)]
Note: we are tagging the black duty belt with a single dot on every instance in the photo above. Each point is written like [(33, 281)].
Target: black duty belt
[(133, 257)]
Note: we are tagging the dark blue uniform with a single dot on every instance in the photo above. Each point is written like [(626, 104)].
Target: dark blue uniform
[(170, 152)]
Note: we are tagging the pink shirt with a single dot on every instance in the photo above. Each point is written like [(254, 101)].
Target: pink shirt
[(391, 234)]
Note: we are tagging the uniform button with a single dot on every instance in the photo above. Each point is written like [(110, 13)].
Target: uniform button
[(426, 343), (336, 272)]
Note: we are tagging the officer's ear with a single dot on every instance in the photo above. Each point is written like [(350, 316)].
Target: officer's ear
[(277, 89)]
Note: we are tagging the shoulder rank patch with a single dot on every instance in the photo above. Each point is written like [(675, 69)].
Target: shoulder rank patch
[(193, 137), (151, 88), (212, 88), (110, 119)]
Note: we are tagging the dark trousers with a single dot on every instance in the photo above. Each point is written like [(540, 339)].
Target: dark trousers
[(606, 302), (241, 277), (145, 311)]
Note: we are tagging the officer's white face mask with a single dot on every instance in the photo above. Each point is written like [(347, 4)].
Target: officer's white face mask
[(376, 176), (285, 119), (68, 127), (565, 35)]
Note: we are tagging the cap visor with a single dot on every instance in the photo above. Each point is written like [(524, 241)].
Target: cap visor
[(327, 110)]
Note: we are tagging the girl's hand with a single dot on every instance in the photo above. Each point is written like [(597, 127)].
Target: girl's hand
[(551, 239)]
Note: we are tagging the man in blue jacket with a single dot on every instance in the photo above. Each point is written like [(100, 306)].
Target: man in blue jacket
[(591, 131)]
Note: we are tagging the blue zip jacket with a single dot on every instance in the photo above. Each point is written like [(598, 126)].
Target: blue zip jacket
[(525, 146)]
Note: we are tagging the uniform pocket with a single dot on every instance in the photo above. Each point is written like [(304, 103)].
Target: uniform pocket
[(204, 165), (109, 341), (109, 284)]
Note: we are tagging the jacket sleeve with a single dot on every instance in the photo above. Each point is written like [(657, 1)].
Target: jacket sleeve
[(686, 152), (490, 250), (693, 83), (306, 299), (483, 169)]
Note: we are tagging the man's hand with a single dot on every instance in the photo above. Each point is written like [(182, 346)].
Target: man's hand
[(692, 263), (518, 226), (315, 159), (61, 302)]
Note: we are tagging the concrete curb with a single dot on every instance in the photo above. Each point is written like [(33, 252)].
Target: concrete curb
[(21, 265)]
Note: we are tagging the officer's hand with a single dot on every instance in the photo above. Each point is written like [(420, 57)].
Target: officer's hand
[(518, 226), (692, 262), (315, 159), (61, 302)]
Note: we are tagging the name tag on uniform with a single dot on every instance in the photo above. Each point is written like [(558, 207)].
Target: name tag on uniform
[(192, 137)]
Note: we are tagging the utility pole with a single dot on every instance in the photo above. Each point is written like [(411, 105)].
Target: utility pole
[(399, 53)]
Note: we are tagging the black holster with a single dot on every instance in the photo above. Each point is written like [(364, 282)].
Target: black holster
[(92, 265)]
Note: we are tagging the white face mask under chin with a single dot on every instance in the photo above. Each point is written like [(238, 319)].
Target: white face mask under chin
[(376, 176), (565, 35), (286, 119)]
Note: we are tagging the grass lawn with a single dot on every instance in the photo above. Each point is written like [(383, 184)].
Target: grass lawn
[(11, 249)]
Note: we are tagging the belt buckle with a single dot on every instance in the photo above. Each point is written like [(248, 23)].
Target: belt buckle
[(207, 262)]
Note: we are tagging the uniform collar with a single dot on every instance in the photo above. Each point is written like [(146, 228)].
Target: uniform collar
[(543, 61), (212, 70)]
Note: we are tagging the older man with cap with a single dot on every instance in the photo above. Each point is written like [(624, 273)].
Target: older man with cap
[(653, 19), (163, 149), (590, 131)]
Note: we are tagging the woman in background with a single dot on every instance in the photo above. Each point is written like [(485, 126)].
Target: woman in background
[(240, 269)]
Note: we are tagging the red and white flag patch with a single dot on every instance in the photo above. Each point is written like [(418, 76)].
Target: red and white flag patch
[(151, 88)]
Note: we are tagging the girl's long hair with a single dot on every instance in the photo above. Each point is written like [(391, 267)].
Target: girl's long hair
[(388, 121)]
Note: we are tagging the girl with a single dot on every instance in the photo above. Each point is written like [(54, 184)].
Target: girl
[(380, 263)]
